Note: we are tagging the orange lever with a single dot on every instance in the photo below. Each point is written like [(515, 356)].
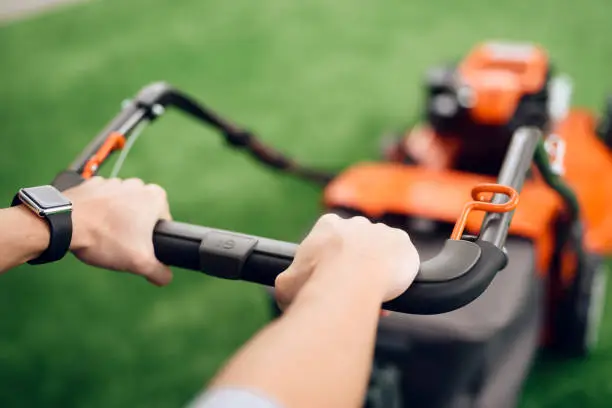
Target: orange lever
[(115, 141), (479, 204)]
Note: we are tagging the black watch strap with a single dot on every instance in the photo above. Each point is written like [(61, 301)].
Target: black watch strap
[(60, 236)]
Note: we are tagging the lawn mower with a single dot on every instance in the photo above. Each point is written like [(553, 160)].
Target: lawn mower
[(518, 266)]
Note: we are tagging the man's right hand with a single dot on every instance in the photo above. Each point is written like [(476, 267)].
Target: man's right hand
[(319, 353), (113, 223), (384, 256)]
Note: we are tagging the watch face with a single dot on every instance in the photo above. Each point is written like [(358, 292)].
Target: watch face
[(45, 200)]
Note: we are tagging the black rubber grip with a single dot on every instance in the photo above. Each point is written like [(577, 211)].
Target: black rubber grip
[(259, 267), (427, 298), (454, 278), (254, 259)]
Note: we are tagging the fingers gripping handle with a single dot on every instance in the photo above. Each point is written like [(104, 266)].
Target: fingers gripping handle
[(454, 278)]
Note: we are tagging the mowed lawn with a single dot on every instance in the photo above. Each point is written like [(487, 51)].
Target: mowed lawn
[(320, 79)]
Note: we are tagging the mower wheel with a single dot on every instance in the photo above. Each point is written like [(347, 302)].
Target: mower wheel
[(579, 315)]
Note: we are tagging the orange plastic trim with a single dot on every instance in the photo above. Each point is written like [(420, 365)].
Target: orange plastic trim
[(499, 75), (115, 141)]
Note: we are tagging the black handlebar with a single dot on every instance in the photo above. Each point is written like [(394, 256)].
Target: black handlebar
[(457, 275)]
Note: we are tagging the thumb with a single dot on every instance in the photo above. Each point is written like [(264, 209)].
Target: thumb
[(288, 284), (283, 285), (159, 275)]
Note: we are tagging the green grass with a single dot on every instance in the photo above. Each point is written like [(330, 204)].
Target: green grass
[(321, 79)]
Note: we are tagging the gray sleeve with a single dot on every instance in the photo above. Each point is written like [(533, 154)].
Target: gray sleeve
[(232, 398)]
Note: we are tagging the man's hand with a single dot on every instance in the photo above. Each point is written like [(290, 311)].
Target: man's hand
[(113, 222), (319, 352), (375, 252)]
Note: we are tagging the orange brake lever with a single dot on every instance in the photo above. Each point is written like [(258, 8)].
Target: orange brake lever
[(479, 204)]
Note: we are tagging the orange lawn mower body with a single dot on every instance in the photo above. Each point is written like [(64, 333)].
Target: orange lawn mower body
[(550, 294)]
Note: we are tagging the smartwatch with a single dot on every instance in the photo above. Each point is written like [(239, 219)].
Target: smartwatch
[(51, 205)]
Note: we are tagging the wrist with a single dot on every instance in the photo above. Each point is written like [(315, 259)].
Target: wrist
[(82, 236), (36, 232)]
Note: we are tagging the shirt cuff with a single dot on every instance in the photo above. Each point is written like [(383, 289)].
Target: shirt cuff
[(232, 398)]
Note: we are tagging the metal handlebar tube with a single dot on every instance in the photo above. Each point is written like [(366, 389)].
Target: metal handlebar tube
[(131, 115), (513, 172), (162, 94), (150, 103)]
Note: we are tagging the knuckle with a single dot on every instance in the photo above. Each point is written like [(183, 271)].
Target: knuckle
[(322, 237), (400, 237), (112, 184), (134, 181), (400, 233), (92, 183), (329, 219), (360, 219), (326, 225), (157, 190), (95, 180)]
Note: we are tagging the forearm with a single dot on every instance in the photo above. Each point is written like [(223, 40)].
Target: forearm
[(319, 353), (24, 236)]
